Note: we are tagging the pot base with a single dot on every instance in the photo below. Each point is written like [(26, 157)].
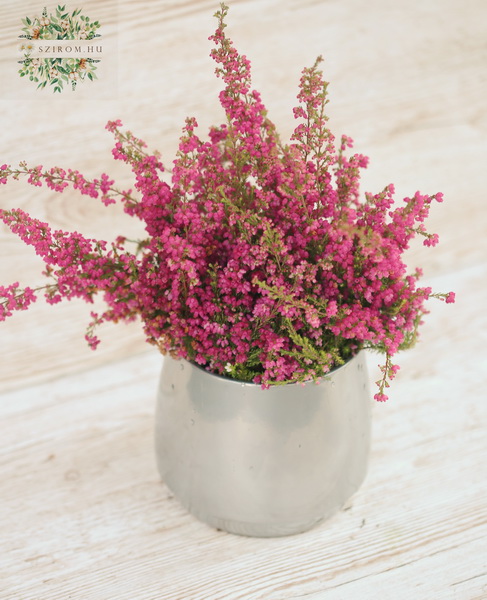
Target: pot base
[(262, 463)]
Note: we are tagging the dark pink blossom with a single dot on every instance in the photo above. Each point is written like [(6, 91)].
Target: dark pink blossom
[(262, 261)]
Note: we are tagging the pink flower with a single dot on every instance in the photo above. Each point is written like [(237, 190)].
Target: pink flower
[(261, 261)]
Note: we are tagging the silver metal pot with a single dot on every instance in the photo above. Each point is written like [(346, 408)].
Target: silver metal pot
[(262, 462)]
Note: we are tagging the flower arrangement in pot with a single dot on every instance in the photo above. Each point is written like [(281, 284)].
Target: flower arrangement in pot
[(262, 265)]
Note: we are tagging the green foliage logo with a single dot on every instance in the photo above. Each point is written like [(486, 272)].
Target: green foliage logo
[(71, 62)]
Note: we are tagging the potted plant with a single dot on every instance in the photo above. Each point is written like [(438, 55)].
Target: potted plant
[(263, 273)]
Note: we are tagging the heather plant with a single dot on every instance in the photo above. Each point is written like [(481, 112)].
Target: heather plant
[(262, 261)]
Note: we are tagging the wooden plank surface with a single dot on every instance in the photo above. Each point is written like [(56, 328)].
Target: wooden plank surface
[(83, 513)]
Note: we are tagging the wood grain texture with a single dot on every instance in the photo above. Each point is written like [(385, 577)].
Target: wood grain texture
[(83, 513)]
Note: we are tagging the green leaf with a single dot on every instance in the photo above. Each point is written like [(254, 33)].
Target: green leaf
[(29, 22), (90, 76)]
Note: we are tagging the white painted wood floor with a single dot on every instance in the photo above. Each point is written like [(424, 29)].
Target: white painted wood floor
[(83, 513)]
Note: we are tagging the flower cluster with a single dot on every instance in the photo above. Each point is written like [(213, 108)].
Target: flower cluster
[(261, 260)]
